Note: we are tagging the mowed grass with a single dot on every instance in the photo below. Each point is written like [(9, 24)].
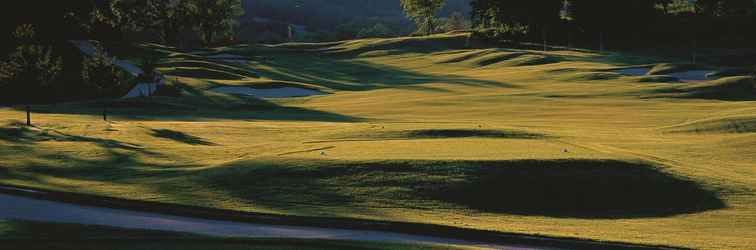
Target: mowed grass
[(36, 235), (422, 130)]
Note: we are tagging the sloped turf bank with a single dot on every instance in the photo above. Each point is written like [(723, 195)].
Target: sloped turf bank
[(554, 188)]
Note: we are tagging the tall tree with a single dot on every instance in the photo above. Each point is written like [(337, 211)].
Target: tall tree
[(216, 17), (101, 73), (455, 22), (169, 18), (423, 12), (567, 16), (122, 15), (29, 69)]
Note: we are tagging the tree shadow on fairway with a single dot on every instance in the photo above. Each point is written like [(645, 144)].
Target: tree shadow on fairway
[(181, 137), (17, 132), (552, 188), (198, 107)]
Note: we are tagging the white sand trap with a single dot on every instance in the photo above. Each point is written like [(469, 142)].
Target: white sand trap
[(633, 71), (142, 90), (268, 93)]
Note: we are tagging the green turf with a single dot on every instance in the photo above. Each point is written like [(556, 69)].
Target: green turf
[(433, 130)]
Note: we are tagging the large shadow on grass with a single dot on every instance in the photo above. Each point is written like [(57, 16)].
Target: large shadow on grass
[(196, 106), (181, 137), (358, 75), (553, 188), (17, 132), (741, 88)]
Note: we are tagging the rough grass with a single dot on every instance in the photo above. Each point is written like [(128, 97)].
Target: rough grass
[(596, 135), (208, 65), (737, 124)]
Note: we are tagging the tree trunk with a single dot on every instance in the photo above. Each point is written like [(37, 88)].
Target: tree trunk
[(601, 41), (105, 111), (28, 115), (210, 37), (430, 26)]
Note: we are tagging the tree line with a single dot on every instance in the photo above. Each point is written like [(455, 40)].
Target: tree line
[(601, 23)]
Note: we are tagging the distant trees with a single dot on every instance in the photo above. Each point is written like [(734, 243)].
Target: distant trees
[(456, 21), (102, 74), (377, 30), (216, 17), (122, 15), (423, 12), (533, 16), (29, 69), (170, 18), (622, 23)]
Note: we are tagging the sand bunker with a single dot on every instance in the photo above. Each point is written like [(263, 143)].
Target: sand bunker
[(283, 92), (142, 90)]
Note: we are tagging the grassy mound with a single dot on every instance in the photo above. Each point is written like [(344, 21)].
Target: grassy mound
[(656, 78), (461, 56), (195, 64), (378, 53), (272, 84), (203, 73), (739, 124), (496, 58), (668, 68), (591, 76), (439, 134), (425, 44), (556, 188), (738, 88), (531, 60)]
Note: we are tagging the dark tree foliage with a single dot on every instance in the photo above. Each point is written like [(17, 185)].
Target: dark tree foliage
[(215, 18), (53, 20), (423, 12), (623, 24), (614, 20), (102, 74), (29, 70)]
